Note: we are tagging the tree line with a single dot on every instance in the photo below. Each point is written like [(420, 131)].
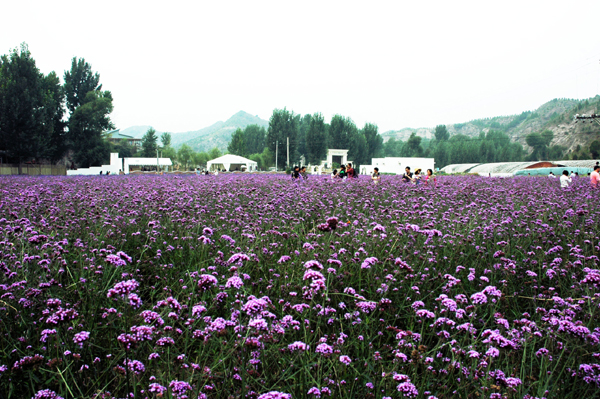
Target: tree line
[(42, 119), (307, 136)]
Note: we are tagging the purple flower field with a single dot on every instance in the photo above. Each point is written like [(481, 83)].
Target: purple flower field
[(257, 287)]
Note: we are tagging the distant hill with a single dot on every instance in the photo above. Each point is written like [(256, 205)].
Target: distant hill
[(216, 135), (556, 115), (219, 134)]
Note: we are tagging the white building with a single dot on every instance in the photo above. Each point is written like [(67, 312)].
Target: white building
[(397, 165), (230, 162), (117, 164)]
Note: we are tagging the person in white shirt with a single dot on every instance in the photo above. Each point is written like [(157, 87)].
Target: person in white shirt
[(551, 175), (565, 179)]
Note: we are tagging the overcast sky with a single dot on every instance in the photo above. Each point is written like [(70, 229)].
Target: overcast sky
[(183, 65)]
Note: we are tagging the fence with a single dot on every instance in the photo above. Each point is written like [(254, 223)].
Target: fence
[(33, 170)]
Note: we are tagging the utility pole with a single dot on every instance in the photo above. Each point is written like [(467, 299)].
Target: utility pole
[(276, 151), (288, 152)]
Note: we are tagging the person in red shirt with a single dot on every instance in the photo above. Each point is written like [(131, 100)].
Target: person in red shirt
[(350, 171), (595, 176)]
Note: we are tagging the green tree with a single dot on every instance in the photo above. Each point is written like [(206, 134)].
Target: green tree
[(441, 133), (341, 129), (373, 139), (441, 154), (200, 158), (214, 153), (149, 145), (412, 148), (54, 111), (90, 108), (123, 149), (185, 155), (236, 145), (79, 81), (169, 152), (86, 125), (358, 149), (392, 148), (538, 144), (595, 149), (254, 139), (165, 139), (283, 126), (547, 136), (316, 139), (303, 126), (31, 111)]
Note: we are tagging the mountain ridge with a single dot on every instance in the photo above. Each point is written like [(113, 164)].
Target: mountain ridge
[(556, 115), (216, 135)]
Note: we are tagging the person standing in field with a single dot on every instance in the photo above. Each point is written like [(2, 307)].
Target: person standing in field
[(407, 176), (430, 178), (595, 176), (565, 179), (350, 171), (342, 173), (295, 173), (303, 173), (376, 177), (417, 177)]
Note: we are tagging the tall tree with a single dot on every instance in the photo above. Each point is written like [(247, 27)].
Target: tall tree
[(254, 139), (90, 108), (412, 148), (214, 153), (373, 139), (303, 126), (341, 129), (357, 149), (123, 148), (30, 108), (54, 113), (392, 148), (440, 154), (316, 139), (165, 139), (86, 125), (79, 81), (538, 143), (149, 145), (282, 125), (441, 133), (236, 145), (185, 155)]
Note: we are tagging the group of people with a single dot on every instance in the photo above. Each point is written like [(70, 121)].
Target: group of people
[(299, 173), (416, 178), (566, 179), (344, 173)]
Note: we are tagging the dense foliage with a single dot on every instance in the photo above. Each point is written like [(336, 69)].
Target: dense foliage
[(258, 287), (32, 112)]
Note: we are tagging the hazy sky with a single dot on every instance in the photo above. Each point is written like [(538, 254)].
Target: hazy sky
[(183, 65)]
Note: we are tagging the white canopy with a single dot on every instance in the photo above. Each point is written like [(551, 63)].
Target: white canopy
[(230, 162)]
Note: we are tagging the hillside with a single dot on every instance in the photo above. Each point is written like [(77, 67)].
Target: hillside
[(216, 135), (556, 115), (219, 134), (137, 131)]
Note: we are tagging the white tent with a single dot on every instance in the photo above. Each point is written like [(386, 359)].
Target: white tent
[(230, 162)]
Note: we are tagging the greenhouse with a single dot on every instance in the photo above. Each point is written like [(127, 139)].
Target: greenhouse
[(534, 168)]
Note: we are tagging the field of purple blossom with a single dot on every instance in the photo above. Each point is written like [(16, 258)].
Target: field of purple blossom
[(258, 287)]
